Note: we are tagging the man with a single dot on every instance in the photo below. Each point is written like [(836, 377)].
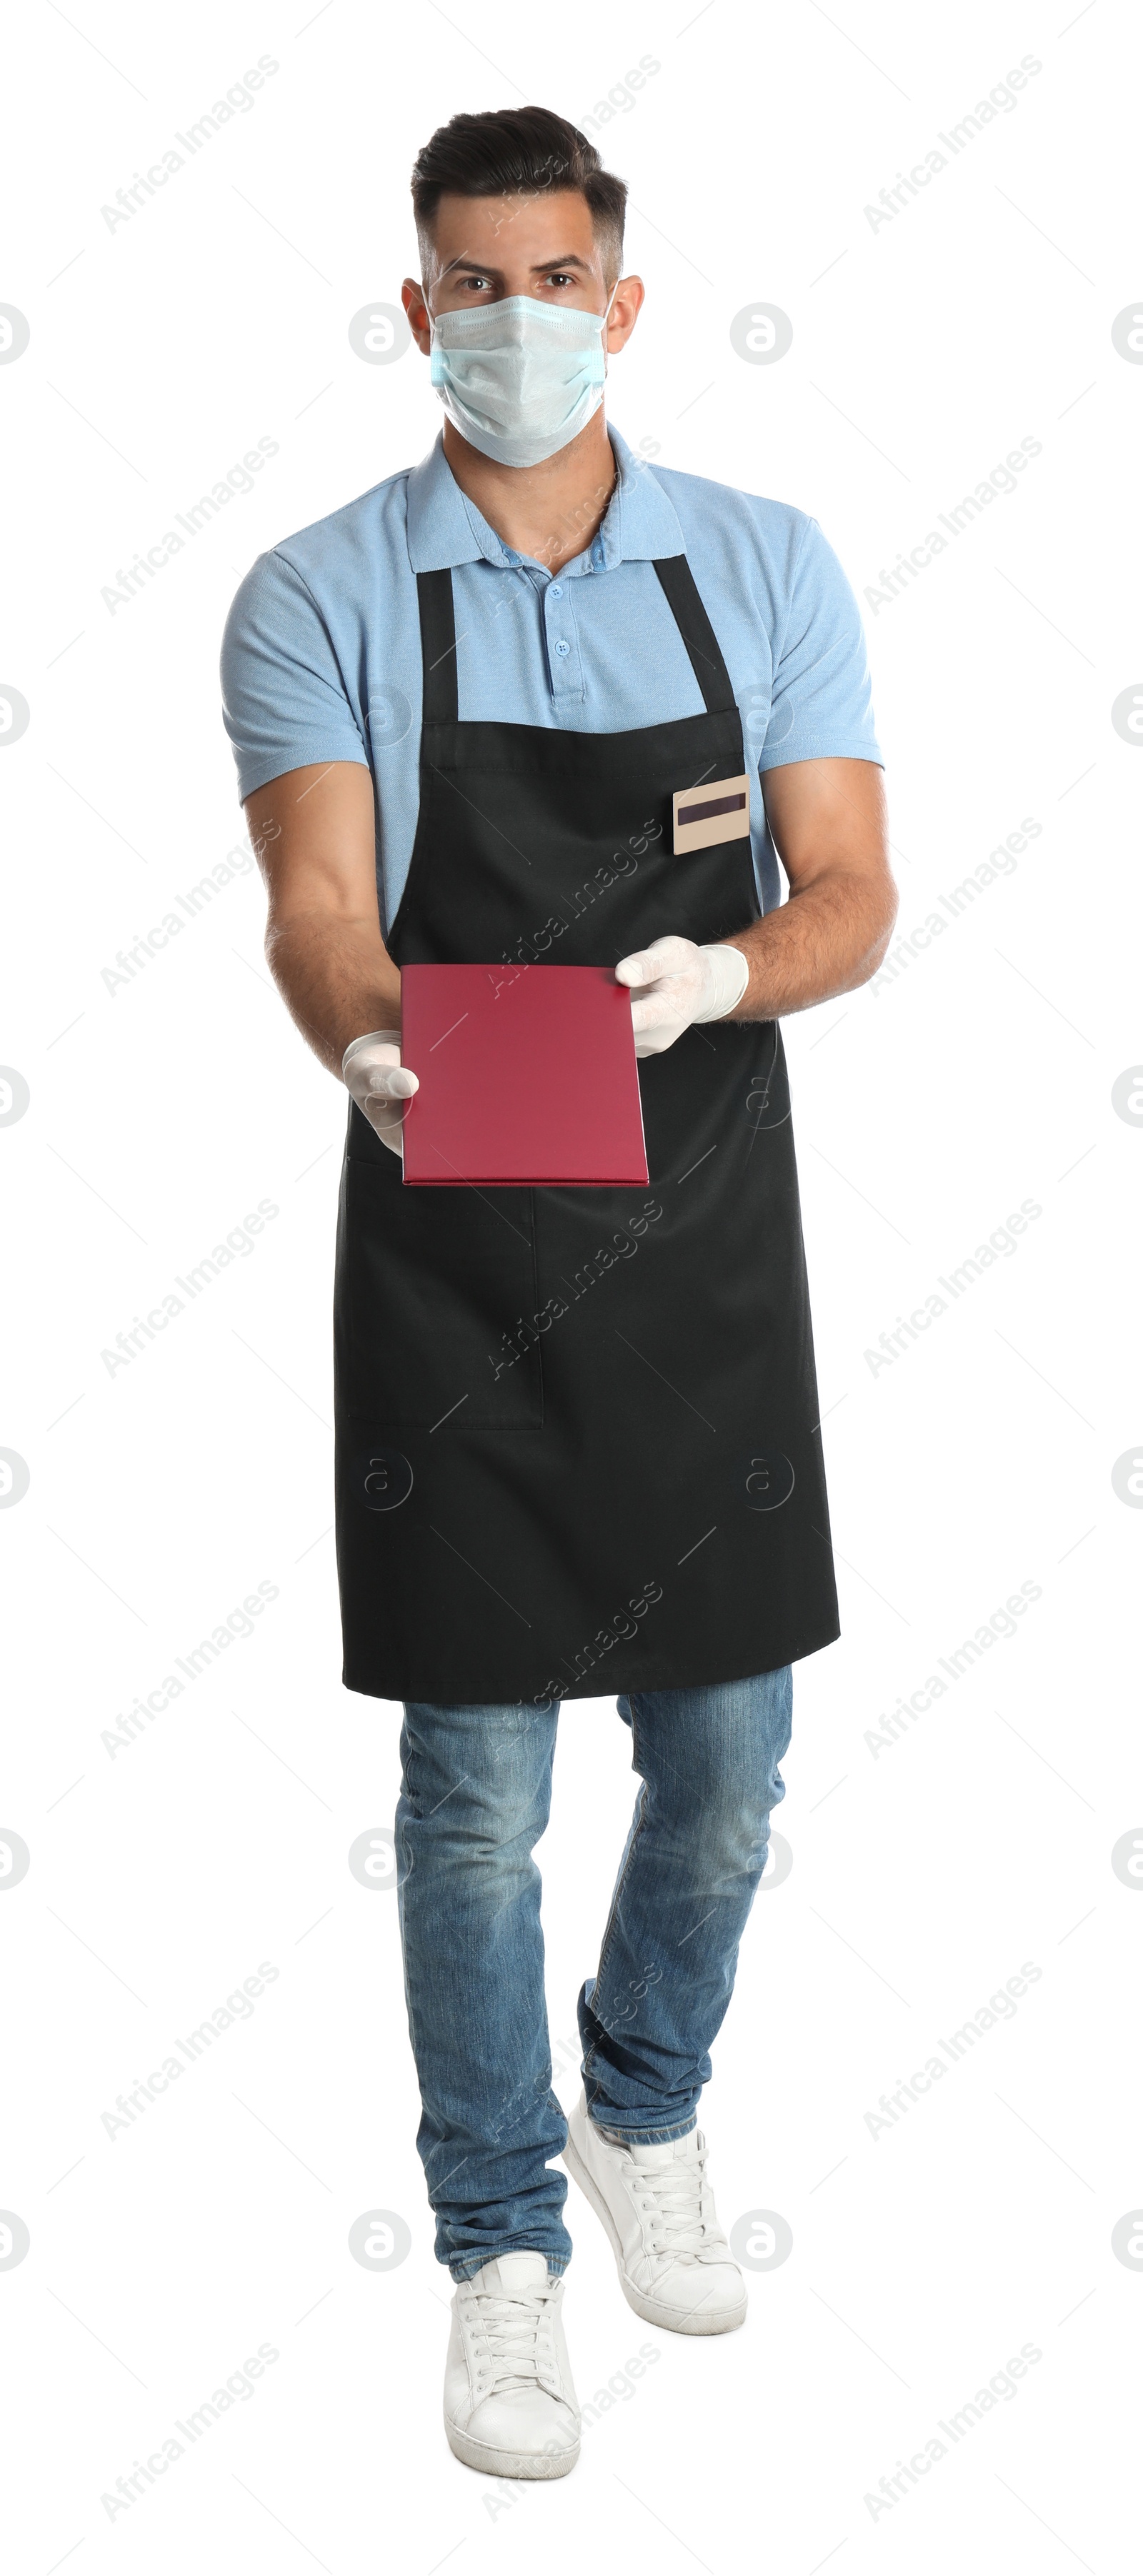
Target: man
[(538, 700)]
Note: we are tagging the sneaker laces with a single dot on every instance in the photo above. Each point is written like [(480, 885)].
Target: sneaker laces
[(509, 2330), (681, 2212)]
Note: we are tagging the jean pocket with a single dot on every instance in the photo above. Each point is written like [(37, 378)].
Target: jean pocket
[(436, 1303)]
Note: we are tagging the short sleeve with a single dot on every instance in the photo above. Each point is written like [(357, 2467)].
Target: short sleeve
[(284, 701), (821, 701)]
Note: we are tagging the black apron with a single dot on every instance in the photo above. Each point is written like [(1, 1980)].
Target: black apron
[(578, 1442)]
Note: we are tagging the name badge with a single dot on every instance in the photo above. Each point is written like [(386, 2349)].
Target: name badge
[(718, 810)]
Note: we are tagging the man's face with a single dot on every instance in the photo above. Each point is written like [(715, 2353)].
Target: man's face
[(484, 249)]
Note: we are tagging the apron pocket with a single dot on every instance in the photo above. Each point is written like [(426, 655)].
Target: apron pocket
[(438, 1290)]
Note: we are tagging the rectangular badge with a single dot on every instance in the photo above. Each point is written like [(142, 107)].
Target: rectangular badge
[(718, 810)]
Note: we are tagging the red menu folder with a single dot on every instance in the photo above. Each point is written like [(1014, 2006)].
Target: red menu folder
[(527, 1074)]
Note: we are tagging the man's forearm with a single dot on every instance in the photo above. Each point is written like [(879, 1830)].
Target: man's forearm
[(826, 940), (336, 979)]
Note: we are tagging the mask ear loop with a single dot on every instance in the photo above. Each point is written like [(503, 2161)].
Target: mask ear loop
[(603, 322), (432, 319)]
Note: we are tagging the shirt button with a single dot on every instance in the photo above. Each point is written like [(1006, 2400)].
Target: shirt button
[(563, 648), (555, 591)]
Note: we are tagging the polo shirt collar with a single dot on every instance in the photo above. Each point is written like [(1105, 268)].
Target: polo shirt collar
[(445, 527)]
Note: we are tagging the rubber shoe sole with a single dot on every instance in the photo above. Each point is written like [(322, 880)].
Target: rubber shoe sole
[(655, 2312), (508, 2464)]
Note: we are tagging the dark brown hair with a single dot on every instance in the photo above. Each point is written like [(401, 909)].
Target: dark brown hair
[(517, 151)]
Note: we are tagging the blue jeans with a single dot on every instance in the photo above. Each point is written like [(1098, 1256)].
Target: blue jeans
[(475, 1793)]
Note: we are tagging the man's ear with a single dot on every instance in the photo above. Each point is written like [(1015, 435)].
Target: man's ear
[(417, 314), (629, 296)]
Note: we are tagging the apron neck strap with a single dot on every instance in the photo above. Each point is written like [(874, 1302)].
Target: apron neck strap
[(438, 647), (698, 634)]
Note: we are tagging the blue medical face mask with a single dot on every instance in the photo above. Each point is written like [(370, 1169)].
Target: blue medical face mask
[(519, 379)]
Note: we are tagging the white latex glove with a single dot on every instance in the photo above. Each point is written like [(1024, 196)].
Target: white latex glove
[(373, 1073), (674, 984)]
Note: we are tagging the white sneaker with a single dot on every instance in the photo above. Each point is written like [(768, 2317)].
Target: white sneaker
[(509, 2404), (675, 2266)]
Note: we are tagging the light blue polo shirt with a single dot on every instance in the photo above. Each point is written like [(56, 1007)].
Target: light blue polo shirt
[(321, 658)]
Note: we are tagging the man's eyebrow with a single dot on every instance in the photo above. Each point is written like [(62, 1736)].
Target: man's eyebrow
[(543, 267), (483, 267)]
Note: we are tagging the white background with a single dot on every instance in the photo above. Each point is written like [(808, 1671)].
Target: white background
[(924, 1872)]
